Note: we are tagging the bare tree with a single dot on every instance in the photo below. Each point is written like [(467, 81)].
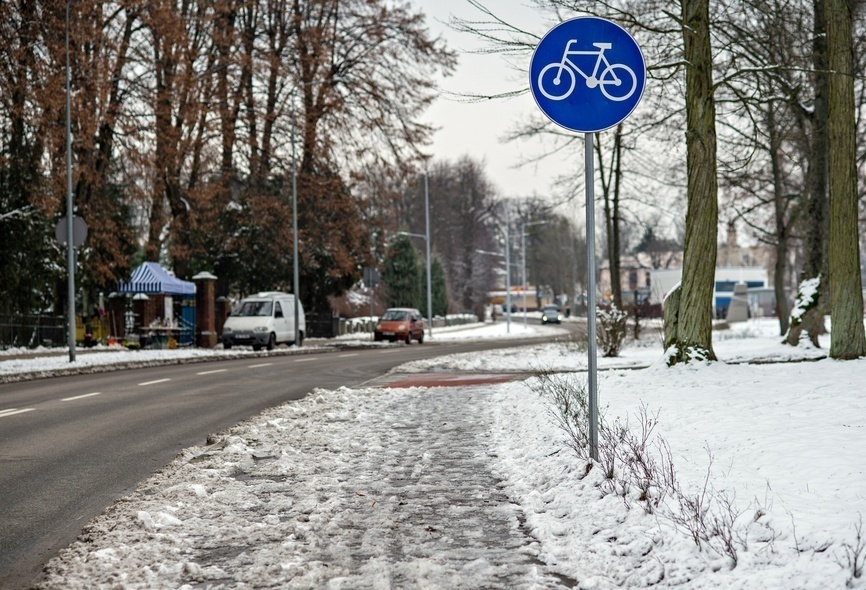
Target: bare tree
[(611, 175), (463, 208), (810, 319), (688, 320), (848, 340), (178, 97), (766, 123)]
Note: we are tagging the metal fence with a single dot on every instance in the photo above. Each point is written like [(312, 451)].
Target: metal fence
[(32, 330)]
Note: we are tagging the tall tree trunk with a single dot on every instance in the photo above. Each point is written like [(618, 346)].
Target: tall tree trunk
[(779, 206), (809, 317), (848, 340), (610, 193), (617, 176), (224, 35), (693, 330)]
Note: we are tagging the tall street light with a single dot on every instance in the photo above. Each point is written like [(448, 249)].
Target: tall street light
[(295, 279), (508, 273), (523, 248), (70, 252), (427, 226)]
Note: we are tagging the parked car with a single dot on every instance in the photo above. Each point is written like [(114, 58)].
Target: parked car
[(400, 323), (264, 320), (551, 315)]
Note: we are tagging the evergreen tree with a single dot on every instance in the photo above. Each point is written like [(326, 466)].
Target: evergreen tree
[(31, 263), (400, 274)]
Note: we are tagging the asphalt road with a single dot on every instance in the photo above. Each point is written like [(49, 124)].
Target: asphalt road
[(70, 446)]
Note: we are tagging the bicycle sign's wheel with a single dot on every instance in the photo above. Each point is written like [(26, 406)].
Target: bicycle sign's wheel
[(556, 82), (617, 82)]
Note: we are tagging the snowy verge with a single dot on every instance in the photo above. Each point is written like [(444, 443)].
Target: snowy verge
[(302, 495), (118, 359)]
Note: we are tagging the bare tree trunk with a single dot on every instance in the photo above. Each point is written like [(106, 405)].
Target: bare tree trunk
[(811, 319), (617, 176), (782, 229), (610, 177), (694, 324), (848, 340)]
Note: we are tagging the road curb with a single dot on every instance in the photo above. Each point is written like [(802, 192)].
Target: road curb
[(143, 364)]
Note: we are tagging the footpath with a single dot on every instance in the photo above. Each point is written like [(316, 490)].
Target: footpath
[(372, 488)]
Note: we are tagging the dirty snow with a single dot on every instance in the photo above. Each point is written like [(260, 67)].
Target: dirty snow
[(474, 487)]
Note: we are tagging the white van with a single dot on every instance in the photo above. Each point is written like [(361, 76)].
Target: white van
[(264, 319)]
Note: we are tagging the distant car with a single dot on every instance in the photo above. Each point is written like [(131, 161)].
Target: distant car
[(551, 315), (400, 323)]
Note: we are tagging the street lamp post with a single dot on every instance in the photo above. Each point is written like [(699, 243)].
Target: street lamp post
[(70, 246), (507, 273), (427, 226), (523, 248)]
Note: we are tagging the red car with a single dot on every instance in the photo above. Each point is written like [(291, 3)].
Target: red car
[(400, 323)]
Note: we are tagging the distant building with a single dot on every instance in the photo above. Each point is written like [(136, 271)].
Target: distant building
[(663, 280), (635, 276)]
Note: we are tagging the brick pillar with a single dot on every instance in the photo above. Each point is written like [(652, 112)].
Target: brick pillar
[(205, 326)]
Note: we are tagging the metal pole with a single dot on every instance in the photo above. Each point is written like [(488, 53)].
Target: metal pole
[(507, 273), (427, 209), (590, 296), (523, 248), (372, 285), (70, 248), (295, 281)]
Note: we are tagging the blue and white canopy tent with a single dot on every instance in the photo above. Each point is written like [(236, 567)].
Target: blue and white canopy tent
[(150, 278)]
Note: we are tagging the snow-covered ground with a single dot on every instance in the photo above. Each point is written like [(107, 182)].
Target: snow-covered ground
[(476, 487)]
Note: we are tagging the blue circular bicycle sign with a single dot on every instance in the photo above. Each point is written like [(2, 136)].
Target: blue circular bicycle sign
[(587, 74)]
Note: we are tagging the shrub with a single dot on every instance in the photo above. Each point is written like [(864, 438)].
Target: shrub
[(611, 330), (637, 466)]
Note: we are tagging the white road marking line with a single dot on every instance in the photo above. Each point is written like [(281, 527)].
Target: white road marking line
[(69, 399), (212, 372), (13, 411), (305, 360), (154, 382), (261, 365), (342, 356)]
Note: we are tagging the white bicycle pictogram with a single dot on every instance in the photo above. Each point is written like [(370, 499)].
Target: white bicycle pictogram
[(613, 82)]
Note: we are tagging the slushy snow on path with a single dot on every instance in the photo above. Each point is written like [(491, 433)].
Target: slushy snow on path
[(475, 487)]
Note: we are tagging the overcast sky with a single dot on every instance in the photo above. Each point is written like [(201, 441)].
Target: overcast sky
[(477, 129)]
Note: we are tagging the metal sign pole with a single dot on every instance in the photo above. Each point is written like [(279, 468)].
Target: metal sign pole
[(573, 99), (590, 295)]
